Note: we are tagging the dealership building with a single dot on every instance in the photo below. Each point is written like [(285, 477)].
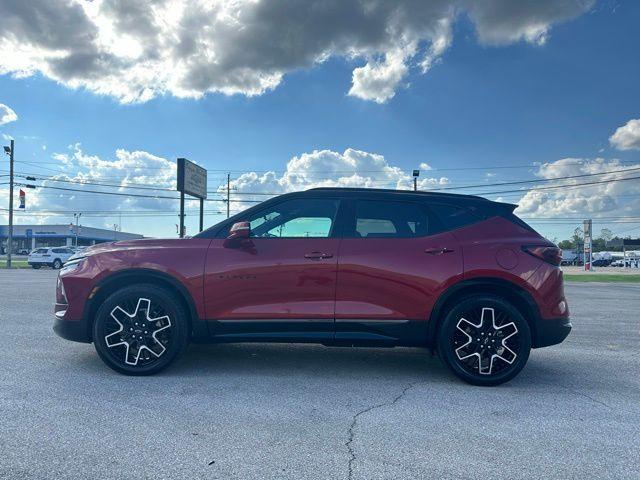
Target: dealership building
[(28, 237)]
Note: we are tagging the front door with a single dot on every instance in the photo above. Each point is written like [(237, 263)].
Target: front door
[(279, 283)]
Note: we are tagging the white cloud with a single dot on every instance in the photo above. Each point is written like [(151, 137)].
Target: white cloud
[(126, 168), (588, 199), (135, 51), (320, 168), (627, 137), (326, 168), (7, 115), (378, 81)]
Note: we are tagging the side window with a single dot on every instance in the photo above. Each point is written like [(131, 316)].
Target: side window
[(299, 218), (453, 216), (57, 250), (379, 219)]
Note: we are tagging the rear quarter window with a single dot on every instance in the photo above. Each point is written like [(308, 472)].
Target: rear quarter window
[(455, 216)]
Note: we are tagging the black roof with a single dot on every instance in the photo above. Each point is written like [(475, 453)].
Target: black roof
[(360, 191)]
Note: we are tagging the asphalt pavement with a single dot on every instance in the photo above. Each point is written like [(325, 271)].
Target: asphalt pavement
[(269, 411)]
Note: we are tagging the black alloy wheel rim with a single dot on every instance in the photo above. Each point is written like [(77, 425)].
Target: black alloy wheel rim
[(486, 341), (137, 332)]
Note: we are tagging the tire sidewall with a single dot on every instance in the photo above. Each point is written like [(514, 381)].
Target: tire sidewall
[(173, 307), (447, 352), (57, 264)]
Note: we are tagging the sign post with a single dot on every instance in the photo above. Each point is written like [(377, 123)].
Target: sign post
[(587, 244), (192, 180)]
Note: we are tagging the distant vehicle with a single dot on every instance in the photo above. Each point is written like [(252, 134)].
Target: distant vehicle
[(23, 251), (331, 266), (630, 262), (617, 263), (569, 257), (49, 257), (601, 262)]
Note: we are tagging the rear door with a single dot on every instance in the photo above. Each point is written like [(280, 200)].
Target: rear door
[(394, 262), (61, 253)]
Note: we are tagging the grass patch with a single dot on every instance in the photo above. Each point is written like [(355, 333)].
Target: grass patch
[(603, 277), (14, 263)]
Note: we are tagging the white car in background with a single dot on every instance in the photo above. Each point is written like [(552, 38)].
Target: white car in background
[(49, 257)]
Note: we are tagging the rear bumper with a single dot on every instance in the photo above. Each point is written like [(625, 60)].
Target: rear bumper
[(551, 331)]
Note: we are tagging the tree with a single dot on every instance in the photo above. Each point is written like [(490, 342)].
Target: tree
[(577, 239), (606, 234), (565, 245)]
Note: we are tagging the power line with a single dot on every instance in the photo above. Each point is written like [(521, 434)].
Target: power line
[(137, 195)]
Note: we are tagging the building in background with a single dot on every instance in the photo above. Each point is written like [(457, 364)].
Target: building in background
[(28, 237)]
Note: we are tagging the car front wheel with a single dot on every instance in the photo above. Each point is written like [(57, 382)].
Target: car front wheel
[(140, 330), (485, 340), (57, 264)]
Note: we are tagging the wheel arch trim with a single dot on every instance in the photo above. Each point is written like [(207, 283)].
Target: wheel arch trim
[(118, 279), (508, 290)]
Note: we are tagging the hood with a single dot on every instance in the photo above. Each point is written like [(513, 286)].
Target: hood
[(140, 244)]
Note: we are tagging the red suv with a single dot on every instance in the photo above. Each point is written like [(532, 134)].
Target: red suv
[(341, 267)]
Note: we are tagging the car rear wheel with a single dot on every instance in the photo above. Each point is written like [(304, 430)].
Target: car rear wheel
[(485, 340), (57, 264), (140, 330)]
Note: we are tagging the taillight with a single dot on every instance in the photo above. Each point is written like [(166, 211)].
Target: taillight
[(552, 255)]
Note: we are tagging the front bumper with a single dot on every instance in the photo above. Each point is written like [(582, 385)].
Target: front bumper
[(551, 331), (74, 330)]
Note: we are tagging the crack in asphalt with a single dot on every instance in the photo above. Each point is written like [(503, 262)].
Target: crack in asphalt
[(594, 400), (354, 421)]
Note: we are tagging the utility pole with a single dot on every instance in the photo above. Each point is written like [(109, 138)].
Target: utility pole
[(181, 232), (9, 151), (228, 193), (201, 214), (77, 217)]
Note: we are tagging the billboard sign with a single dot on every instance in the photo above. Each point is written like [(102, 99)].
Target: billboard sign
[(192, 178)]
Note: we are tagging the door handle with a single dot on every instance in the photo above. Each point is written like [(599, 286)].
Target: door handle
[(318, 255), (438, 251)]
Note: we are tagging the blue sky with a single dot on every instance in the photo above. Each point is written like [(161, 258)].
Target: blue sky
[(483, 105)]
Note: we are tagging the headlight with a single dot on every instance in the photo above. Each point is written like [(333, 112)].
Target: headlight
[(76, 256), (71, 264)]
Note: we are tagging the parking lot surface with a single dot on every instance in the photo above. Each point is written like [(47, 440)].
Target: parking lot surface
[(304, 411)]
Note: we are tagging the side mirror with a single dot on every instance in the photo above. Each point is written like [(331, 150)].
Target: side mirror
[(239, 231)]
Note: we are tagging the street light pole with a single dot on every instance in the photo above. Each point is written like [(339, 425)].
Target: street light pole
[(77, 217), (9, 151)]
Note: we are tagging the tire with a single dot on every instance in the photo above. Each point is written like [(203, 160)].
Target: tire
[(495, 355), (36, 267), (125, 338), (57, 264)]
